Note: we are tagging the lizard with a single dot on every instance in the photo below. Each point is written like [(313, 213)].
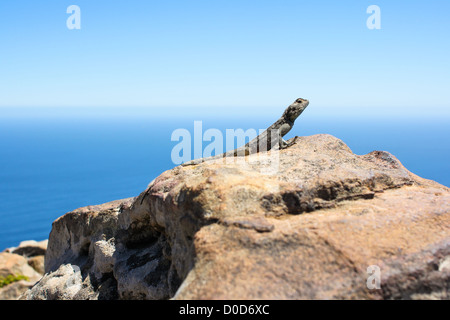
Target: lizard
[(275, 132)]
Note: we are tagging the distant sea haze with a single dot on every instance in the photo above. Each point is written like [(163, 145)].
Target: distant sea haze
[(50, 166)]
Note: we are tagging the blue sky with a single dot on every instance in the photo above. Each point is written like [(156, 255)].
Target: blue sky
[(218, 54)]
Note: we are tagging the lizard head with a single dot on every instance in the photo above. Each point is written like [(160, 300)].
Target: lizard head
[(295, 109)]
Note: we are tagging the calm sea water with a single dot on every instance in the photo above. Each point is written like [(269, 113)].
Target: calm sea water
[(52, 165)]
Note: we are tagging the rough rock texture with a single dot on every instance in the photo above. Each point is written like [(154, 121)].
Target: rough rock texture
[(67, 283), (307, 230)]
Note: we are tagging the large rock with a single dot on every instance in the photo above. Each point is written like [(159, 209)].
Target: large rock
[(312, 224)]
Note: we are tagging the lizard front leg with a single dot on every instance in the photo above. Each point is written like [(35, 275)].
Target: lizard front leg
[(288, 144), (284, 129), (283, 144)]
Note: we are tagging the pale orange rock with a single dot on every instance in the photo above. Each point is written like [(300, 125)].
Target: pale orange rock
[(15, 265)]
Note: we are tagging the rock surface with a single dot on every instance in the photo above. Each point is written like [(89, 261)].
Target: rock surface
[(307, 225), (25, 260), (12, 264), (30, 248)]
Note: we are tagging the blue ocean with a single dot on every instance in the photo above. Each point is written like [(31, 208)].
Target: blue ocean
[(52, 163)]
